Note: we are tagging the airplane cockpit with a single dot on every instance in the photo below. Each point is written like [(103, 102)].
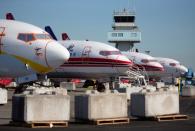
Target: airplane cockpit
[(26, 37), (107, 53), (148, 60)]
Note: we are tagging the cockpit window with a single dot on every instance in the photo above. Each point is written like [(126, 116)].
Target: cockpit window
[(26, 37), (153, 60), (42, 36), (107, 53), (146, 60), (22, 37), (29, 37), (172, 64)]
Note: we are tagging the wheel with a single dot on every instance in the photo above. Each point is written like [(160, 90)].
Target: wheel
[(100, 87), (88, 83)]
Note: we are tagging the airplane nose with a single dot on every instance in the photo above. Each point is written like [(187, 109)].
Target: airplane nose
[(157, 66), (56, 54), (160, 67), (124, 60), (183, 69)]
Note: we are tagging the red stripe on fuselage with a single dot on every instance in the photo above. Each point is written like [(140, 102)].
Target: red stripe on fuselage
[(98, 60), (150, 68), (94, 65)]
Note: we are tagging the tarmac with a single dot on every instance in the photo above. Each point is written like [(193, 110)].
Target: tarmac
[(187, 107)]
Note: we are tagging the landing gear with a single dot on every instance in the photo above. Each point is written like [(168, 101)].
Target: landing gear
[(96, 85), (100, 87), (88, 83), (2, 86), (21, 88)]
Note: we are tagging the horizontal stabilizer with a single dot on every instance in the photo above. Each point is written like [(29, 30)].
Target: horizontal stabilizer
[(65, 36)]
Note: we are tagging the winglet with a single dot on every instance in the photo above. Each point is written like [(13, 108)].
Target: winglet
[(49, 30), (9, 16), (65, 36)]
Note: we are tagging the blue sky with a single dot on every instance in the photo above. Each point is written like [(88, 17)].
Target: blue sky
[(167, 26)]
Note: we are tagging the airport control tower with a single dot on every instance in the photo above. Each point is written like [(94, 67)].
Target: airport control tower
[(125, 32)]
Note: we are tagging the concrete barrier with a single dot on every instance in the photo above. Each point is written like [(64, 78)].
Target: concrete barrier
[(173, 88), (94, 105), (37, 108), (188, 90), (45, 90), (159, 84), (129, 90), (135, 89), (150, 104), (3, 96), (68, 85)]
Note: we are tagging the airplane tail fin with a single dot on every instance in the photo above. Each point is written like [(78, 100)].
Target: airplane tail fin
[(9, 16), (65, 36), (50, 31)]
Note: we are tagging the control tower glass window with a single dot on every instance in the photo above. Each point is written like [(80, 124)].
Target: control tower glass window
[(124, 18)]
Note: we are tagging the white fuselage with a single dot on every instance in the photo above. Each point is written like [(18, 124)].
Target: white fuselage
[(172, 67), (145, 62), (89, 59), (26, 49)]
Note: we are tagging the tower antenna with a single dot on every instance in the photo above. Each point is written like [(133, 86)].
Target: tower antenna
[(132, 5)]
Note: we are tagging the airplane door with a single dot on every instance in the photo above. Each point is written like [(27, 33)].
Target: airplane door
[(85, 54), (2, 34)]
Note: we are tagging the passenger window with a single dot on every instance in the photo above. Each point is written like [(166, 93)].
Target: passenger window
[(107, 53), (104, 53), (144, 60), (172, 64)]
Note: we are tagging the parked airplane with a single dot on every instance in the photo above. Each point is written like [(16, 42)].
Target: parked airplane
[(90, 59), (173, 68), (26, 49), (145, 62), (157, 67)]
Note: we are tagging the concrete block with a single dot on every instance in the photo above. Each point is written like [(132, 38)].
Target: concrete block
[(150, 88), (29, 108), (129, 90), (150, 104), (188, 91), (159, 84), (68, 85), (3, 96), (173, 88), (100, 105), (59, 91), (45, 90)]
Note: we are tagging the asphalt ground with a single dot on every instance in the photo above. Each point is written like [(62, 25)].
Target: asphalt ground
[(187, 107)]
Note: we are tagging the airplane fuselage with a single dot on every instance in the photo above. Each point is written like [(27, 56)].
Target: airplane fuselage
[(26, 49), (172, 67), (89, 59), (146, 63)]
